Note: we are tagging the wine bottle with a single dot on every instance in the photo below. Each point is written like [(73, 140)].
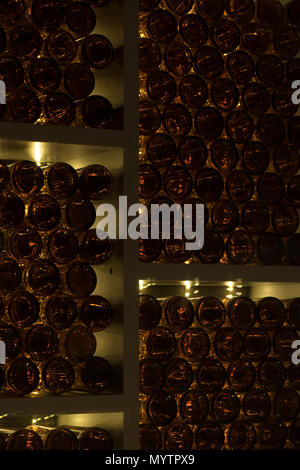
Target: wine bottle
[(61, 311), (80, 214), (95, 182), (255, 217), (178, 183), (61, 179), (193, 407), (209, 62), (42, 277), (242, 312), (255, 157), (151, 376), (162, 26), (23, 309), (95, 439), (256, 99), (161, 408), (178, 436), (192, 152), (179, 6), (59, 109), (294, 427), (161, 343), (58, 375), (79, 344), (228, 344), (211, 9), (25, 243), (209, 184), (241, 13), (210, 313), (177, 120), (241, 375), (27, 178), (239, 127), (23, 106), (271, 374), (12, 339), (193, 29), (241, 67), (195, 344), (149, 437), (282, 101), (24, 439), (96, 313), (96, 375), (294, 13), (80, 18), (270, 248), (10, 274), (257, 344), (211, 375), (225, 216), (41, 342), (149, 181), (224, 155), (79, 80), (287, 404), (47, 15), (80, 279), (97, 50), (22, 376), (254, 38), (271, 313), (283, 340), (294, 313), (226, 35), (161, 87), (271, 130), (294, 190), (273, 434), (286, 160), (25, 41), (96, 111), (269, 70), (226, 406), (61, 46), (270, 188), (210, 436), (225, 94), (270, 12), (149, 54), (149, 250), (178, 58), (93, 250), (209, 123), (256, 405), (179, 375), (240, 247), (62, 245), (60, 438), (286, 41), (193, 91), (44, 212), (241, 435), (45, 75), (11, 72), (161, 150), (149, 312)]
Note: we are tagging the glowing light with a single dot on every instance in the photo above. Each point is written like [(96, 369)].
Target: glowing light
[(141, 284), (187, 285), (230, 286), (37, 153), (229, 296)]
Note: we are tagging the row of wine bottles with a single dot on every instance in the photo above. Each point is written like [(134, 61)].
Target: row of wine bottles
[(210, 313), (62, 438), (272, 434)]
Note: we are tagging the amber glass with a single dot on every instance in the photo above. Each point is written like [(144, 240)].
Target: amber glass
[(178, 59), (12, 340), (79, 80), (177, 120), (161, 150), (149, 181), (209, 62), (97, 50), (149, 312), (209, 184), (282, 342), (95, 182), (226, 35), (257, 344), (224, 94), (11, 72), (96, 313), (241, 435), (24, 106), (47, 15), (179, 375), (241, 66), (22, 376), (225, 216), (149, 54), (149, 250), (239, 127), (210, 9), (177, 182), (61, 439), (273, 434), (10, 274), (149, 437), (286, 41), (61, 311), (193, 29), (41, 342), (210, 313), (256, 99), (270, 248), (81, 279), (292, 69), (242, 312), (161, 408), (58, 375), (195, 344), (209, 123), (162, 26), (24, 439), (270, 12), (178, 436), (179, 312), (152, 376), (228, 343), (23, 309), (282, 101), (269, 70), (286, 160), (211, 376), (175, 250), (270, 188), (61, 47), (12, 10), (240, 247), (161, 343), (45, 75), (97, 111), (294, 313), (271, 374), (287, 404), (93, 250), (27, 178), (210, 436), (42, 277), (26, 41), (226, 406), (62, 245), (44, 212), (255, 157), (271, 313), (256, 405), (192, 152), (59, 109), (271, 130), (80, 214), (95, 439), (96, 375), (62, 180), (11, 209), (224, 155), (241, 375), (80, 344), (213, 247), (80, 18), (254, 38), (193, 407), (161, 87), (255, 217), (193, 91)]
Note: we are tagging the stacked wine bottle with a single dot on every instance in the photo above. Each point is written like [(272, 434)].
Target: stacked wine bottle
[(218, 126), (48, 56), (62, 438), (218, 375), (48, 314)]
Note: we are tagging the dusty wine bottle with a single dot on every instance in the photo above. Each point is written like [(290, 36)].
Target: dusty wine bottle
[(93, 250), (44, 212), (79, 344), (62, 245), (61, 46), (61, 311), (58, 375), (23, 309), (96, 313), (80, 214), (22, 376), (41, 342), (80, 18)]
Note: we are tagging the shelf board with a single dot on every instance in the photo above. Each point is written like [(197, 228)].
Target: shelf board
[(73, 403), (59, 134), (204, 272)]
